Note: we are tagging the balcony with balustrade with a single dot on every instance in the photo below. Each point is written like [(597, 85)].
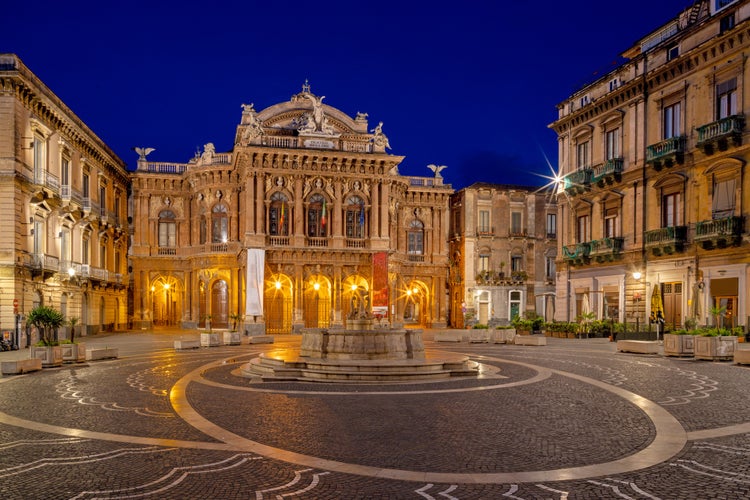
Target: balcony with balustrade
[(666, 240), (719, 233), (606, 249), (577, 254), (577, 182), (666, 153), (608, 172), (721, 134)]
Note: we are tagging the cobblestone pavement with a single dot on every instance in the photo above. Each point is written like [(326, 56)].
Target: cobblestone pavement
[(570, 420)]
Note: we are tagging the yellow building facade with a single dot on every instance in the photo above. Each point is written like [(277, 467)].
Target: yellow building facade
[(653, 190), (63, 194), (304, 221), (503, 243)]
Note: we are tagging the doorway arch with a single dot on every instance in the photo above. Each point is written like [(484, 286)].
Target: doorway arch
[(278, 304)]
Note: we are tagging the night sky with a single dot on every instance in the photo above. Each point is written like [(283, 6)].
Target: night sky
[(470, 85)]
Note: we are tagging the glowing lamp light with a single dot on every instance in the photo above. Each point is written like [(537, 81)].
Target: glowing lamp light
[(166, 286), (636, 275), (278, 285), (354, 287), (415, 290), (71, 272), (408, 293), (153, 289), (316, 286)]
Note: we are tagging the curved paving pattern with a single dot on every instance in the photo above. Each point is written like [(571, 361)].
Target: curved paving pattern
[(573, 418)]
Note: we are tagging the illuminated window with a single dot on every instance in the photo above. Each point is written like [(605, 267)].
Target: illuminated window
[(415, 237), (219, 224)]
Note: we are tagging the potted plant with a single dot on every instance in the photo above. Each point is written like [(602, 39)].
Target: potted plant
[(523, 326), (47, 320), (584, 323), (679, 343), (209, 338), (715, 344), (72, 351), (232, 337), (504, 334), (479, 333)]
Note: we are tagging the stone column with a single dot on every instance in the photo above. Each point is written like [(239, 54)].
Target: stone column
[(385, 194), (374, 211), (336, 297), (260, 195), (249, 219)]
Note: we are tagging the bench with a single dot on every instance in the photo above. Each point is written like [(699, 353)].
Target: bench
[(742, 356), (101, 353), (448, 336), (21, 366), (529, 340), (181, 345), (638, 346)]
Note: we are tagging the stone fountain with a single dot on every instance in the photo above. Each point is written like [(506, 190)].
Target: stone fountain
[(364, 351)]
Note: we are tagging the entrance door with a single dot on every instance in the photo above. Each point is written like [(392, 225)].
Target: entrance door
[(278, 313), (219, 305), (672, 296)]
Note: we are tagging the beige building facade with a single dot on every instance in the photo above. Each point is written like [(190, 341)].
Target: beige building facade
[(64, 210), (503, 244), (653, 190), (303, 224)]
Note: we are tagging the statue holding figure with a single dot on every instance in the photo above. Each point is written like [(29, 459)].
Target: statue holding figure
[(379, 139)]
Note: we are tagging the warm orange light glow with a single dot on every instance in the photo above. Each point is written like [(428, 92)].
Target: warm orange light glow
[(153, 288), (278, 285), (415, 290), (166, 286), (316, 286), (354, 287), (408, 292), (71, 272)]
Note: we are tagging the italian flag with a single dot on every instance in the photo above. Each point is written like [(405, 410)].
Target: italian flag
[(323, 214), (281, 220)]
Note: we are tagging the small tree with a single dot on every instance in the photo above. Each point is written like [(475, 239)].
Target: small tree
[(235, 318), (718, 312), (72, 322), (47, 320)]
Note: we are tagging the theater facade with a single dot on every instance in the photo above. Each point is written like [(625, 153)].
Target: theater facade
[(302, 223)]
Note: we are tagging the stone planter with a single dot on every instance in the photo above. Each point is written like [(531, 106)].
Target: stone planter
[(50, 355), (504, 336), (479, 335), (231, 338), (715, 348), (210, 339), (523, 332), (73, 353), (679, 345)]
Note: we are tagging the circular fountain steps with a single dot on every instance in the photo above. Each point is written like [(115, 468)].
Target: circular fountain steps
[(442, 366)]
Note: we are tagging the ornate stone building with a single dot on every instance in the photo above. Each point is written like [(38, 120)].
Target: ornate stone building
[(654, 191), (503, 247), (306, 219), (63, 194)]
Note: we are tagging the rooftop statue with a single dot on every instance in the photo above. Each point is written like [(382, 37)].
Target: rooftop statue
[(437, 169), (379, 139), (143, 152)]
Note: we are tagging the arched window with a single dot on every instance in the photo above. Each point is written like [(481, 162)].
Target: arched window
[(279, 215), (317, 216), (415, 238), (355, 217), (167, 229), (219, 224)]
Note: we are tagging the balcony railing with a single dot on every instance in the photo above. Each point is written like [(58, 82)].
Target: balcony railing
[(716, 135), (416, 258), (166, 168), (609, 171), (666, 153), (46, 262), (606, 249), (317, 242), (578, 181), (166, 251), (218, 247), (719, 232), (278, 241), (517, 233), (666, 240), (355, 243), (577, 253), (485, 231), (99, 274)]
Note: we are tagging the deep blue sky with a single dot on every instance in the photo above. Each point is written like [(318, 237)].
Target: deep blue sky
[(470, 85)]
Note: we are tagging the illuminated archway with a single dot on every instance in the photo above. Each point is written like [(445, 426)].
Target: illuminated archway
[(165, 293), (416, 302), (355, 288), (317, 302), (278, 303)]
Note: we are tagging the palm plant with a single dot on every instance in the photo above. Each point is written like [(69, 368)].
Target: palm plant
[(72, 322), (235, 318), (47, 320), (717, 312)]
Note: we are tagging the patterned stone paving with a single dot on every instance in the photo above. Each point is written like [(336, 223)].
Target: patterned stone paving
[(570, 420)]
